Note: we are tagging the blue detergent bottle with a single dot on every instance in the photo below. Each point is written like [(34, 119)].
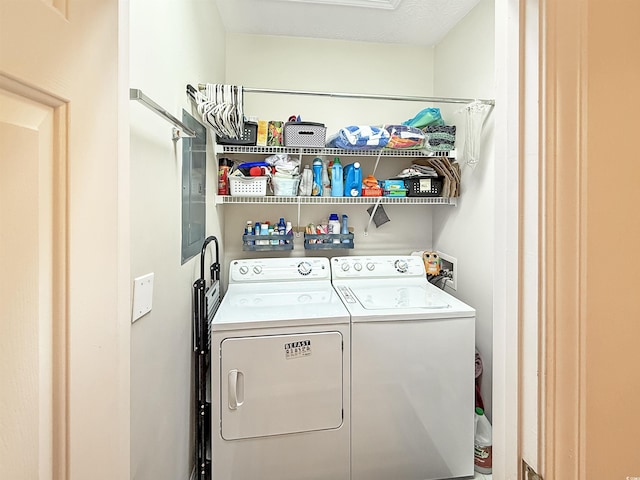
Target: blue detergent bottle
[(316, 190), (353, 180), (337, 179)]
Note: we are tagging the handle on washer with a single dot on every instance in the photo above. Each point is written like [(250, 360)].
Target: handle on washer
[(236, 389)]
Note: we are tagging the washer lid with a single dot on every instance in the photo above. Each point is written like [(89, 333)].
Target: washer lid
[(396, 295), (398, 300), (278, 304)]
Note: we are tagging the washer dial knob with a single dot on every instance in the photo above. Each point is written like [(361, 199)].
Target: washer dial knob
[(345, 267), (357, 266), (371, 266), (304, 268), (243, 270), (401, 266), (257, 269)]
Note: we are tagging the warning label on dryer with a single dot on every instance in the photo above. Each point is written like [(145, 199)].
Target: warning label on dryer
[(298, 349)]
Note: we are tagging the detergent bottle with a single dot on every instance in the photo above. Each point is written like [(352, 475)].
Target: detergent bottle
[(326, 183), (353, 180), (482, 443), (316, 190), (337, 179)]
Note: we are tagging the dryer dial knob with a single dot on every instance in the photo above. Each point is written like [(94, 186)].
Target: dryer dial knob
[(257, 269), (371, 266), (243, 270), (304, 268), (401, 266), (345, 267), (357, 266)]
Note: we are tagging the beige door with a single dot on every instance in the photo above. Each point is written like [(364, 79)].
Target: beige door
[(64, 353), (591, 384)]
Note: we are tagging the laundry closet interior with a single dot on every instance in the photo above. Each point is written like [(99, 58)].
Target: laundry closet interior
[(176, 43)]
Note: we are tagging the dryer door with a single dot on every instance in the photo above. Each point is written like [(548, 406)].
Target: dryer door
[(273, 385)]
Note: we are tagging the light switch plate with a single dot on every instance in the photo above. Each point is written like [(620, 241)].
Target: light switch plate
[(142, 296)]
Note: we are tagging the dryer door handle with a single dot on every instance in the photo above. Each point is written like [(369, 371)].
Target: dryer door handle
[(236, 389)]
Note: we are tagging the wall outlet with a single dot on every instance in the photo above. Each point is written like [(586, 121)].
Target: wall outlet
[(449, 269), (142, 296)]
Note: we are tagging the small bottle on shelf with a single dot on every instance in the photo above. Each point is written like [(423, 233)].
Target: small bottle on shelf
[(248, 230), (334, 226), (288, 232)]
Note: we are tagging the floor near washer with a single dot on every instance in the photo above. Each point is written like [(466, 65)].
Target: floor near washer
[(480, 476)]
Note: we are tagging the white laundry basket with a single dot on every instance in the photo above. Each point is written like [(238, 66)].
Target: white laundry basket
[(248, 186)]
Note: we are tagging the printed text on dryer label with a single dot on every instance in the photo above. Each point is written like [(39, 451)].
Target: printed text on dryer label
[(297, 349)]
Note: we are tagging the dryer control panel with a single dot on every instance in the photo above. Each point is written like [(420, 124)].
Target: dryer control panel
[(382, 266), (279, 270)]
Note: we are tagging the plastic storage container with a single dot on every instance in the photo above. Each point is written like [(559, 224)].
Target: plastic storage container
[(304, 134), (248, 186), (482, 443)]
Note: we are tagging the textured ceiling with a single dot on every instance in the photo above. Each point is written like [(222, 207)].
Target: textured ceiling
[(413, 22)]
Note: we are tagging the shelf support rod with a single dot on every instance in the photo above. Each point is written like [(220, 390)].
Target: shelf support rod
[(406, 98), (376, 164), (298, 222), (181, 129)]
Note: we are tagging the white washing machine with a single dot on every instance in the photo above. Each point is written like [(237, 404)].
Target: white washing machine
[(412, 371), (280, 346)]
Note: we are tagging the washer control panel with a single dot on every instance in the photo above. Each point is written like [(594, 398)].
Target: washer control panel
[(279, 269), (377, 267)]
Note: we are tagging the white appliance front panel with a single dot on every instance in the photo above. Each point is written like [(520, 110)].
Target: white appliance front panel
[(378, 266), (412, 411), (280, 384), (252, 270)]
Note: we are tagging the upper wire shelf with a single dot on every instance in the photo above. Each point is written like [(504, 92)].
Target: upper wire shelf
[(220, 149)]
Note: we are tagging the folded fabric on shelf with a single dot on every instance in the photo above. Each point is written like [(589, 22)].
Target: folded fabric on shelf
[(359, 137)]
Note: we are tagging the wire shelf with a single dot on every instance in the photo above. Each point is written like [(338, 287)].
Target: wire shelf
[(227, 149), (228, 199)]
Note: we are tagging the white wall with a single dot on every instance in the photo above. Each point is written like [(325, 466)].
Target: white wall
[(344, 67), (464, 67), (172, 43)]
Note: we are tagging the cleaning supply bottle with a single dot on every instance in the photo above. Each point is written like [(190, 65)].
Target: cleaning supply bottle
[(345, 228), (353, 180), (337, 179), (316, 190), (326, 183), (282, 229), (288, 232), (482, 443), (334, 226)]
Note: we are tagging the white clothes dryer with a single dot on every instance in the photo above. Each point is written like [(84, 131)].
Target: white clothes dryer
[(412, 371), (280, 347)]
